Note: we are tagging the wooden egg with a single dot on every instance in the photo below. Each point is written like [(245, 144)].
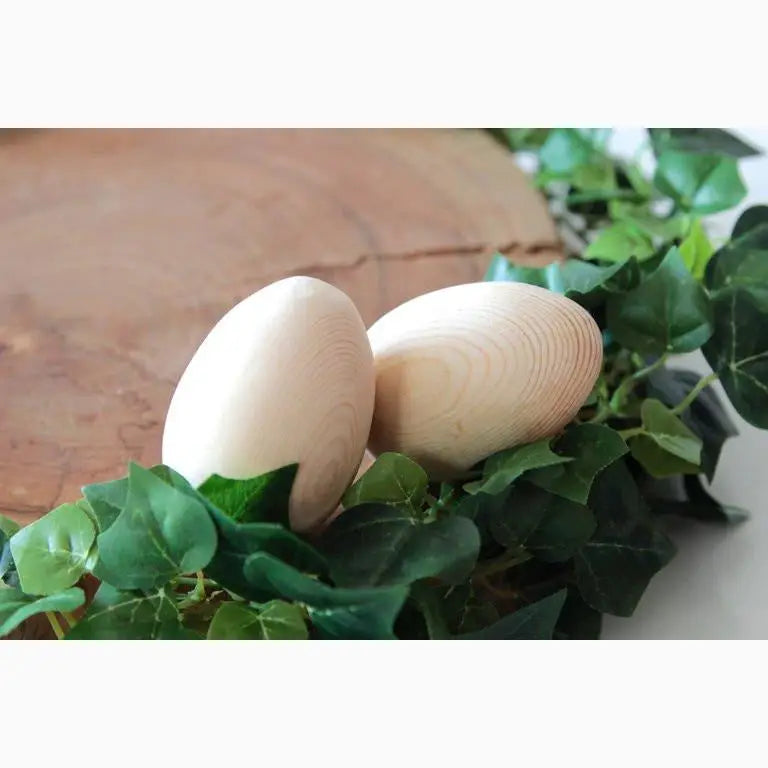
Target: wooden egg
[(285, 376), (472, 369)]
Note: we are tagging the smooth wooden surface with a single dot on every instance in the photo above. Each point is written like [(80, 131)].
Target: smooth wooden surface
[(119, 250), (469, 370)]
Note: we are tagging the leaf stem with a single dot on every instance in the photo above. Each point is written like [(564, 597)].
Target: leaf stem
[(55, 626), (196, 580), (703, 383), (625, 434), (626, 386)]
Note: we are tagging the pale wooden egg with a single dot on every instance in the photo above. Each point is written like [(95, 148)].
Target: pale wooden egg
[(472, 369), (285, 376)]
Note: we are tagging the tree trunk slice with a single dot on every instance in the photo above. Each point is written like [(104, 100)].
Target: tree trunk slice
[(121, 249)]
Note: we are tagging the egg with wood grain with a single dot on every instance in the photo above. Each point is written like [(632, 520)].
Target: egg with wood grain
[(286, 376), (469, 370)]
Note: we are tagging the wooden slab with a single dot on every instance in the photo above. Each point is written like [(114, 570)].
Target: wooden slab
[(120, 249)]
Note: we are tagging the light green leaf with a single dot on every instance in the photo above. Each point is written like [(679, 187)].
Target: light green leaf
[(106, 501), (161, 532), (277, 620), (16, 607), (696, 250), (700, 140), (567, 148), (701, 183), (262, 499), (619, 242), (374, 545), (8, 526), (592, 447), (51, 553), (668, 312), (666, 446), (391, 479), (503, 468)]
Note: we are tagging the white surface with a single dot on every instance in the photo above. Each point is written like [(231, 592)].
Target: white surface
[(716, 586)]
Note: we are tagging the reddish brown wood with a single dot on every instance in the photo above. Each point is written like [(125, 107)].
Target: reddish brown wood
[(120, 249)]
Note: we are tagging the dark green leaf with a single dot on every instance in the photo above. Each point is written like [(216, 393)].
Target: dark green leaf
[(742, 265), (16, 607), (391, 479), (6, 558), (503, 468), (619, 242), (374, 545), (592, 447), (701, 183), (750, 219), (520, 139), (262, 499), (160, 533), (696, 250), (550, 527), (51, 554), (668, 312), (336, 613), (615, 567), (236, 542), (700, 140), (8, 526), (116, 615), (694, 502), (463, 610), (706, 416), (534, 622), (584, 277), (106, 501), (738, 352), (666, 446), (578, 621), (276, 620)]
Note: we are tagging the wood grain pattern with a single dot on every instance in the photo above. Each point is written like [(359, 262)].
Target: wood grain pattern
[(120, 250), (466, 371), (285, 377)]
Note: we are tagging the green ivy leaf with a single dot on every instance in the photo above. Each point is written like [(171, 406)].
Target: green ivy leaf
[(520, 139), (533, 622), (391, 479), (615, 567), (106, 501), (668, 312), (696, 250), (742, 265), (568, 148), (118, 615), (161, 532), (666, 446), (700, 140), (751, 218), (578, 621), (592, 447), (596, 176), (16, 607), (262, 499), (51, 553), (277, 620), (584, 277), (701, 183), (374, 545), (550, 527), (6, 558), (501, 269), (336, 613), (8, 526), (648, 222), (503, 468), (237, 542), (687, 498), (738, 353), (619, 242), (705, 417)]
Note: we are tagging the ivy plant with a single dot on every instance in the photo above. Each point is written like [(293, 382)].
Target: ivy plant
[(542, 539)]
